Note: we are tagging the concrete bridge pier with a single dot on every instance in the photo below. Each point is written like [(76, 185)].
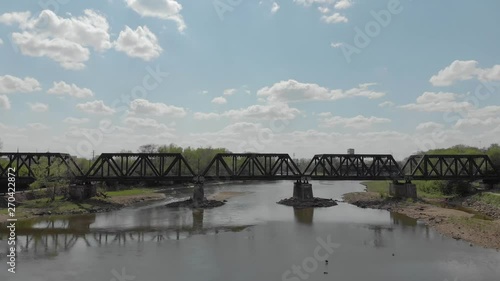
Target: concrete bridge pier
[(302, 190), (403, 190), (198, 194)]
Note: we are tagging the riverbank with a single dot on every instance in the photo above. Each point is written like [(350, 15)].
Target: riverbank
[(109, 201), (467, 218)]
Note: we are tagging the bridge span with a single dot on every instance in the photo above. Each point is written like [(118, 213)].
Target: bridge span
[(247, 166)]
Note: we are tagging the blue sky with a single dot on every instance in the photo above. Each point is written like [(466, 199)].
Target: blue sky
[(268, 76)]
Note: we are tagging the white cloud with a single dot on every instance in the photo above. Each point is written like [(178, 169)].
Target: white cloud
[(323, 10), (464, 70), (138, 43), (386, 104), (291, 90), (268, 112), (358, 122), (145, 123), (95, 107), (1, 41), (37, 126), (162, 9), (145, 107), (334, 18), (76, 121), (326, 7), (11, 84), (429, 126), (275, 111), (438, 102), (275, 8), (38, 107), (229, 92), (336, 45), (64, 40), (206, 116), (4, 102), (219, 100), (343, 4), (61, 88)]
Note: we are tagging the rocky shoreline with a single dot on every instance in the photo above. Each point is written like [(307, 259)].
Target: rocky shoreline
[(459, 224)]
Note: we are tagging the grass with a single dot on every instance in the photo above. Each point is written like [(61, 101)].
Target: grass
[(489, 198), (425, 189), (130, 192)]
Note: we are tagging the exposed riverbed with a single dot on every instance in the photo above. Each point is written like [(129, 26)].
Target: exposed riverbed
[(249, 238)]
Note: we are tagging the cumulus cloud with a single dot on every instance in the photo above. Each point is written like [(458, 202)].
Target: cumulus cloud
[(206, 116), (429, 126), (145, 107), (63, 88), (386, 104), (145, 123), (275, 7), (275, 111), (438, 102), (95, 107), (38, 107), (358, 122), (329, 9), (162, 9), (139, 43), (464, 70), (4, 102), (229, 92), (64, 40), (75, 121), (291, 90), (11, 84), (37, 126), (219, 100), (334, 18)]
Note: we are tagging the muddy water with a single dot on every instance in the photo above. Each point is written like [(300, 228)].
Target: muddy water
[(250, 238)]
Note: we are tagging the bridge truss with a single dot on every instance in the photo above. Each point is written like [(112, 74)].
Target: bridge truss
[(140, 166), (244, 166), (450, 167), (353, 167)]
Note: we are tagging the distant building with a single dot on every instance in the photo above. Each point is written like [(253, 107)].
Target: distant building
[(350, 151)]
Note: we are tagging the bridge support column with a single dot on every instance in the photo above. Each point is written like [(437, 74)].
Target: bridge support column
[(198, 194), (302, 190), (403, 190)]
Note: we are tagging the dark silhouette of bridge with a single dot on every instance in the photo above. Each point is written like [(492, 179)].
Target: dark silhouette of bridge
[(160, 167)]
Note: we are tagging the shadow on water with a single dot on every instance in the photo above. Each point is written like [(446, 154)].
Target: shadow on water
[(304, 216)]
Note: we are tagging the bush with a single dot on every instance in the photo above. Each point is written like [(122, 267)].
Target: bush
[(457, 187)]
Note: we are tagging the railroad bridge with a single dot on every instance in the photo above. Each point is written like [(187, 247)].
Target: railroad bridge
[(173, 167)]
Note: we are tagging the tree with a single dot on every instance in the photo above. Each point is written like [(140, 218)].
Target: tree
[(148, 148)]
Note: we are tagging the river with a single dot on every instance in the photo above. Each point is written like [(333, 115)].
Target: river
[(250, 238)]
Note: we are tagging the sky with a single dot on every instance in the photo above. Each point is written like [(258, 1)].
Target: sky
[(302, 77)]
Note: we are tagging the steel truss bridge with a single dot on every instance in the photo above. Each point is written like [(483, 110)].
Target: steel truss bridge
[(158, 167)]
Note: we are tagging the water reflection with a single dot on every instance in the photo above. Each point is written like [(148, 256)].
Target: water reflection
[(304, 216), (51, 236)]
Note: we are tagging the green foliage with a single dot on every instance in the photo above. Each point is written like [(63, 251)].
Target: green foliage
[(489, 198)]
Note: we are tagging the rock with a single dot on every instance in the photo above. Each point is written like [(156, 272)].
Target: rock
[(205, 204), (310, 203)]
